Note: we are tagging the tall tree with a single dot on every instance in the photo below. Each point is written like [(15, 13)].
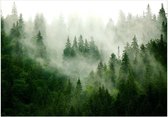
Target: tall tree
[(78, 86), (75, 45), (100, 69), (162, 15), (124, 69), (149, 13), (112, 63), (41, 49), (86, 46), (40, 25), (81, 44), (94, 50), (21, 25), (162, 19), (135, 48), (14, 13), (68, 51)]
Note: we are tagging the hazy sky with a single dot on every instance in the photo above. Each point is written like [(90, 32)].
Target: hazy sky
[(103, 9)]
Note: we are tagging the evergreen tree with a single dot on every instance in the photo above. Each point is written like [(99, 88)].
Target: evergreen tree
[(75, 46), (14, 13), (162, 19), (134, 46), (100, 103), (4, 40), (94, 52), (67, 50), (21, 26), (78, 86), (149, 14), (124, 69), (162, 15), (40, 25), (86, 47), (41, 49), (15, 37), (112, 63), (81, 44), (100, 69)]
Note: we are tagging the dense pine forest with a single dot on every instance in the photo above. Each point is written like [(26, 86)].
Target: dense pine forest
[(79, 78)]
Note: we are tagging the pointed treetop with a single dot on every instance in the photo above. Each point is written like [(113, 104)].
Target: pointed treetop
[(39, 36), (148, 6), (162, 6), (79, 86), (14, 10)]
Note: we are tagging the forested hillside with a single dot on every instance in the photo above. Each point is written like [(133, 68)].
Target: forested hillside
[(77, 78)]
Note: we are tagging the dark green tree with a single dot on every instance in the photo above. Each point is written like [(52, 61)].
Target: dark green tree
[(78, 87), (135, 48), (94, 52), (100, 103), (67, 50), (21, 26), (86, 47), (162, 19), (41, 49), (112, 65), (100, 69), (75, 45), (81, 44)]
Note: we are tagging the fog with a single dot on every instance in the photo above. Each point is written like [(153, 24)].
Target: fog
[(111, 24)]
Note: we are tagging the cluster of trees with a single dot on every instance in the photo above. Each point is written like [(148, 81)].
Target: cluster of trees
[(133, 85), (84, 48), (28, 88), (19, 33), (145, 27), (139, 79)]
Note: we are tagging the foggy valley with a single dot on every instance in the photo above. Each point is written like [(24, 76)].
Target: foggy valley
[(84, 65)]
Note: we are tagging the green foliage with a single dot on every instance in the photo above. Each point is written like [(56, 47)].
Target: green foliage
[(81, 48), (41, 49), (100, 103), (135, 85), (69, 51)]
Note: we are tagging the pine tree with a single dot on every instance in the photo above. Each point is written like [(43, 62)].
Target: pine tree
[(67, 50), (41, 49), (149, 14), (162, 15), (135, 48), (93, 50), (21, 25), (86, 47), (162, 19), (68, 44), (3, 35), (14, 13), (81, 44), (78, 87), (112, 63), (100, 69), (124, 69), (40, 25), (75, 46)]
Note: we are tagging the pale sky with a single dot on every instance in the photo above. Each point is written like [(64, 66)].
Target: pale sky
[(103, 9)]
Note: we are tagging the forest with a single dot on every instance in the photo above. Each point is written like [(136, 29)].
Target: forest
[(80, 76)]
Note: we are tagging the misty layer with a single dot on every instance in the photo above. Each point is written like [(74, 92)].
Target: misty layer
[(76, 68)]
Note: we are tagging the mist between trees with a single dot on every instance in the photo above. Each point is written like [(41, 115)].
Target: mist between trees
[(84, 67)]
